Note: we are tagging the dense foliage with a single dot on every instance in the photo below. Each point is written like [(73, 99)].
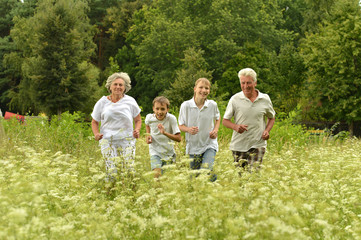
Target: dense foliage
[(53, 187), (56, 55)]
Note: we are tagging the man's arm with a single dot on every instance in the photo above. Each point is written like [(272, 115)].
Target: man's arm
[(240, 128), (270, 123)]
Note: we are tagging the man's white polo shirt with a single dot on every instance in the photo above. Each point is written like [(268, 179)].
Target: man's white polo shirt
[(252, 114)]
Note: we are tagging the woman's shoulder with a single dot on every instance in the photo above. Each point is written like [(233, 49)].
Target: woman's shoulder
[(103, 100), (129, 99)]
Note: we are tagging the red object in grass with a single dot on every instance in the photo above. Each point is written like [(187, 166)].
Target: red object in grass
[(9, 115)]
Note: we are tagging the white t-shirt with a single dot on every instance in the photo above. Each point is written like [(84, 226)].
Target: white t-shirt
[(191, 116), (251, 114), (161, 145), (116, 118)]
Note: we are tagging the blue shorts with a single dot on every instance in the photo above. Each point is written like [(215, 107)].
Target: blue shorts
[(157, 162), (204, 160)]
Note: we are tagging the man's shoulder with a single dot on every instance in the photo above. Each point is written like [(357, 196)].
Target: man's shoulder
[(263, 96), (238, 95)]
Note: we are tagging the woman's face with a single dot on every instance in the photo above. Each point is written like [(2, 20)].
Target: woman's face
[(117, 87), (202, 90)]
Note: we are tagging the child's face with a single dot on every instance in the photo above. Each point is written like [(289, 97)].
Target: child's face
[(202, 90), (160, 110)]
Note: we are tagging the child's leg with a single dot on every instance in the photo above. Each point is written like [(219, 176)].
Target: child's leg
[(208, 158), (208, 162), (157, 172), (196, 161), (156, 165)]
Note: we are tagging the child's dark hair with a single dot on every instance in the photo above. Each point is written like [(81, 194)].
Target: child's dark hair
[(161, 100)]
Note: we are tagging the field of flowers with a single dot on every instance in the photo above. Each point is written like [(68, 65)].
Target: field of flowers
[(52, 187)]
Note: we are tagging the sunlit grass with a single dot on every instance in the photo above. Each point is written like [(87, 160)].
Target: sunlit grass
[(52, 187)]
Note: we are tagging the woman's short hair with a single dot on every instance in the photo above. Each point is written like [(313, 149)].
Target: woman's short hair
[(121, 75), (161, 100), (248, 72)]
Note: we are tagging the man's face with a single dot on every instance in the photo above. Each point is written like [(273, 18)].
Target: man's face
[(160, 110), (248, 85)]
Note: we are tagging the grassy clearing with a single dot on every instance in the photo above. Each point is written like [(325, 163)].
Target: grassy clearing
[(52, 188)]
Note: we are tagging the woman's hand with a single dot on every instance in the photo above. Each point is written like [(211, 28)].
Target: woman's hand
[(136, 133), (98, 136)]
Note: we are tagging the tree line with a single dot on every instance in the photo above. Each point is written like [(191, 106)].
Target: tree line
[(57, 54)]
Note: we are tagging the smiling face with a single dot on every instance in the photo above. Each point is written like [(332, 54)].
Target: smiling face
[(117, 87), (160, 110), (202, 90), (248, 86)]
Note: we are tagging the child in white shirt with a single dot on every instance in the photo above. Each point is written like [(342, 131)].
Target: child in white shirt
[(199, 118), (162, 129)]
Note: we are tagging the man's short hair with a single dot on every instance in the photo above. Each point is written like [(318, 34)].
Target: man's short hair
[(248, 72)]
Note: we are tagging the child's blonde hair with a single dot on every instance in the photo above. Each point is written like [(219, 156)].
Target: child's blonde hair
[(205, 80), (161, 100)]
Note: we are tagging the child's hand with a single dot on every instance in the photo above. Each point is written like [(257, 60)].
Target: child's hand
[(161, 128), (193, 130), (148, 139), (213, 134)]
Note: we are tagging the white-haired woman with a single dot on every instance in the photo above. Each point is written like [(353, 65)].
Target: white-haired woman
[(117, 113)]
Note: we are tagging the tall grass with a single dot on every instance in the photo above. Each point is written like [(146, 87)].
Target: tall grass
[(52, 187)]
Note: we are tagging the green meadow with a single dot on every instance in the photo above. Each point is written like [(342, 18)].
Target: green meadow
[(52, 187)]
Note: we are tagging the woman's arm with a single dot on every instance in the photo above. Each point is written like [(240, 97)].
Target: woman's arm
[(95, 129), (137, 126), (148, 137)]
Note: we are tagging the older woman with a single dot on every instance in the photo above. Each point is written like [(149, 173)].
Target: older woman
[(117, 112)]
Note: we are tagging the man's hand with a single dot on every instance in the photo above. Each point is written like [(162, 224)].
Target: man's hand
[(240, 128), (265, 135)]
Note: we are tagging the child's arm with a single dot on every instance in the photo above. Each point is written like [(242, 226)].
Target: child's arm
[(191, 130), (214, 133), (175, 137), (148, 137)]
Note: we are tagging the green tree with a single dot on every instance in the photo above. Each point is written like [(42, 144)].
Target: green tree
[(194, 66), (286, 79), (10, 70), (163, 32), (56, 44), (252, 55), (332, 55)]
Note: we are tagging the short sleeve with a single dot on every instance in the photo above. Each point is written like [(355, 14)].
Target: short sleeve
[(97, 111), (217, 115), (271, 113), (147, 119), (229, 110), (174, 125), (182, 114), (135, 108)]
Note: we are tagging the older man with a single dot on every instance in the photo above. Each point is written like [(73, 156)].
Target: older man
[(250, 108)]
